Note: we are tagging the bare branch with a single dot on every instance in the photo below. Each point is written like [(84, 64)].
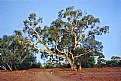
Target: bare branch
[(82, 54), (75, 38), (59, 50)]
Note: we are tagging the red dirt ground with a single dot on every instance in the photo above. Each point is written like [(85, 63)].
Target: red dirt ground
[(57, 74)]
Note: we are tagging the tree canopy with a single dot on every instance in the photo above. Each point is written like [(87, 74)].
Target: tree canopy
[(14, 52), (71, 36)]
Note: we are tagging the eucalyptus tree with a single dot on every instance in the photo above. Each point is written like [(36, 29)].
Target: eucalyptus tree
[(14, 52), (116, 58), (70, 36)]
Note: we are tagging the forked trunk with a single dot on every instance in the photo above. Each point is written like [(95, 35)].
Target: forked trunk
[(10, 68), (75, 67)]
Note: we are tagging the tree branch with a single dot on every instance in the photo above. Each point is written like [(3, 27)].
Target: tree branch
[(75, 38), (59, 50), (82, 54)]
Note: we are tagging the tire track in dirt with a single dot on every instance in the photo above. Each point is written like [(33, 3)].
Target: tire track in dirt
[(29, 76), (47, 76)]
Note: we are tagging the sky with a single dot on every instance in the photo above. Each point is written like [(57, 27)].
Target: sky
[(13, 12)]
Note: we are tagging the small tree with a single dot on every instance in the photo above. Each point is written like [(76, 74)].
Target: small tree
[(117, 58), (70, 36), (88, 61), (114, 62), (14, 53)]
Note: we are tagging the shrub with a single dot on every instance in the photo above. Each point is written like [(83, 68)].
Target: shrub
[(49, 65), (112, 63), (37, 65), (59, 65)]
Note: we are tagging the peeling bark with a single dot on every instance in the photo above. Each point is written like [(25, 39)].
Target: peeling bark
[(3, 67), (9, 67)]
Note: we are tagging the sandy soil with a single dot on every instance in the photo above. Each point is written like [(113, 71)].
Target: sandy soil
[(57, 74)]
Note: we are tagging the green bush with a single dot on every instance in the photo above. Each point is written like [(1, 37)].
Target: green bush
[(49, 65), (88, 64), (24, 65), (37, 65), (112, 63), (59, 65), (119, 63)]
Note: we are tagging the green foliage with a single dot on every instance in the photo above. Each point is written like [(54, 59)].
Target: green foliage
[(14, 54), (71, 35), (49, 65), (88, 62), (112, 63), (101, 62), (64, 65), (24, 65), (116, 58), (37, 65), (119, 63)]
